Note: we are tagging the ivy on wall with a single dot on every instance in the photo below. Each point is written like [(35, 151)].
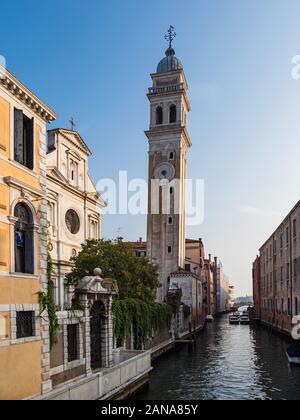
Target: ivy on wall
[(47, 302), (186, 311), (144, 317), (174, 299)]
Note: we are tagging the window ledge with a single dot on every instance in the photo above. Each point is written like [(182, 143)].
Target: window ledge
[(32, 172), (15, 342), (24, 275)]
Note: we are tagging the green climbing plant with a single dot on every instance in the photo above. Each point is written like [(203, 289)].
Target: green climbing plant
[(186, 311), (47, 302), (174, 299), (143, 316)]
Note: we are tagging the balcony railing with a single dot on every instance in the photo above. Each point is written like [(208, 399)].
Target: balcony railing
[(166, 89)]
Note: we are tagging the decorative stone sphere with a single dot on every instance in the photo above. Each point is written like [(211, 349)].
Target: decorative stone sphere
[(97, 272)]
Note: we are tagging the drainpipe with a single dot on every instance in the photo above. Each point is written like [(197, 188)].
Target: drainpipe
[(85, 216), (274, 291), (216, 284), (195, 323), (291, 267), (209, 286), (60, 283)]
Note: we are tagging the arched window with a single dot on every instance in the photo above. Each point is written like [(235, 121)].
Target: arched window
[(159, 115), (24, 249), (73, 172), (173, 114)]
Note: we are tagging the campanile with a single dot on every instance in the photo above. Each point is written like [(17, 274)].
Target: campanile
[(169, 142)]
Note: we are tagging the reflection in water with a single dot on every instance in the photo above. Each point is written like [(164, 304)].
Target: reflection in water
[(229, 363)]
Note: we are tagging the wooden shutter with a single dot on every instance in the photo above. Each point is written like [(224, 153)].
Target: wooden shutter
[(30, 144), (18, 141)]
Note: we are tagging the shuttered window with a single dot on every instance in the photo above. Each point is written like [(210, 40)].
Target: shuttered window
[(23, 139)]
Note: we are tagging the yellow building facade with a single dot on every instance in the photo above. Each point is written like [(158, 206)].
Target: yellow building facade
[(24, 336)]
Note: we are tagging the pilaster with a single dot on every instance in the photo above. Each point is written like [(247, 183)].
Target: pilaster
[(43, 248)]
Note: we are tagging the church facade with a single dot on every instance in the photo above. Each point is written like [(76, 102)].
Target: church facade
[(73, 204)]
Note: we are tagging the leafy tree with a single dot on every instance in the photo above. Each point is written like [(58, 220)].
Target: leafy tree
[(137, 278)]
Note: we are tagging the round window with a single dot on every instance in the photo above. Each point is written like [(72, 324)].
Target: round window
[(72, 221)]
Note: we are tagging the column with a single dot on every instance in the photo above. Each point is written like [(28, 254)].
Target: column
[(87, 336)]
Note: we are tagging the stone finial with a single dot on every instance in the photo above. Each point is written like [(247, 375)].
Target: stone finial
[(97, 272), (92, 284)]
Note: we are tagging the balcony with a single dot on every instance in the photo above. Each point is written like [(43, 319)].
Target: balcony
[(166, 89)]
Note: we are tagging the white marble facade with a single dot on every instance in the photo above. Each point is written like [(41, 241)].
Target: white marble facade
[(73, 203)]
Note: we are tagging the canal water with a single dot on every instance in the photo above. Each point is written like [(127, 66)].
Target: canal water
[(228, 363)]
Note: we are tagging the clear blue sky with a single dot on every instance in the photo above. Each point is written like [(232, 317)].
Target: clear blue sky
[(92, 60)]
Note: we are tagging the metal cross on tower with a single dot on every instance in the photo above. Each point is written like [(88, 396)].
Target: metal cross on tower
[(72, 124), (170, 35)]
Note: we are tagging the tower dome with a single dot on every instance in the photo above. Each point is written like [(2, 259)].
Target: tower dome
[(169, 63)]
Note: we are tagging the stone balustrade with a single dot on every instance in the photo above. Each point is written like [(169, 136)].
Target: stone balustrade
[(122, 379), (166, 89)]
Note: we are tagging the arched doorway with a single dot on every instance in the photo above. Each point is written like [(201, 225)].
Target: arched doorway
[(24, 247), (97, 321)]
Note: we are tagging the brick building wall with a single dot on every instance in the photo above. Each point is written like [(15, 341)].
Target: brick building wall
[(256, 288), (280, 274)]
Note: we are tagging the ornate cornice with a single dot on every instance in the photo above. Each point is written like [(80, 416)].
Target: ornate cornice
[(67, 134), (184, 274), (20, 91), (16, 183), (169, 129)]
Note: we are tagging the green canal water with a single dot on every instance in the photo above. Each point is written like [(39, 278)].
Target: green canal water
[(228, 363)]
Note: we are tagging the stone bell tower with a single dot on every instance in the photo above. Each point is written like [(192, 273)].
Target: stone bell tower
[(169, 142)]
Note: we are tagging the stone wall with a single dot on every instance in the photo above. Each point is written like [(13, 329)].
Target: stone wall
[(110, 383)]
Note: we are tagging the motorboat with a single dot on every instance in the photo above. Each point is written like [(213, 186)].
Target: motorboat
[(293, 354), (245, 318), (234, 319), (209, 318)]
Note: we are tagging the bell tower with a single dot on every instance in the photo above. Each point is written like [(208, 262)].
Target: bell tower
[(169, 142)]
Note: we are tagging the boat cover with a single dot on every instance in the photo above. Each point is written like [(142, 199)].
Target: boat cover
[(294, 350)]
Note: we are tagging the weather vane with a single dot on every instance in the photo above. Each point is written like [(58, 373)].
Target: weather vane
[(170, 36)]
